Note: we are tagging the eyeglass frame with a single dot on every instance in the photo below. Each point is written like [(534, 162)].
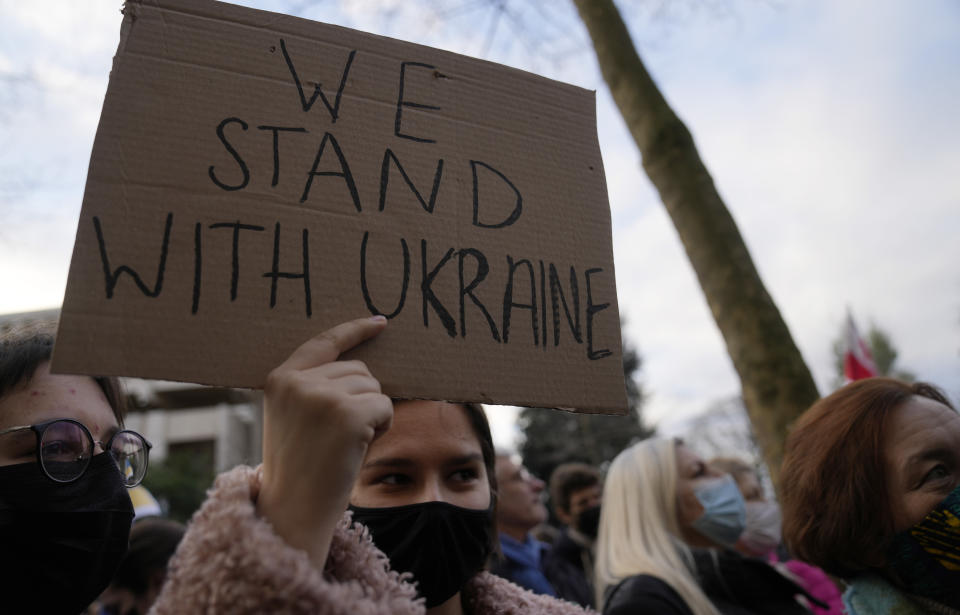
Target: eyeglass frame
[(40, 428)]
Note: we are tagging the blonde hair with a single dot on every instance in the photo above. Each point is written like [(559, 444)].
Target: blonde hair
[(639, 532)]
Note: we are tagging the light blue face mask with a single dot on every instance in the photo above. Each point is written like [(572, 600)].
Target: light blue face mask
[(724, 511)]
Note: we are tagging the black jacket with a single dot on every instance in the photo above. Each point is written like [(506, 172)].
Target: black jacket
[(563, 566), (736, 585)]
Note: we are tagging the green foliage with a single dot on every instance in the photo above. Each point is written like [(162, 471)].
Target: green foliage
[(181, 481), (881, 348), (553, 437)]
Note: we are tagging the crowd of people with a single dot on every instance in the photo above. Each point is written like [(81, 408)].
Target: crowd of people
[(368, 505)]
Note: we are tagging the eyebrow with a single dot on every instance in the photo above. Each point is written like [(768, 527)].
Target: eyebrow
[(464, 459), (404, 462), (392, 462), (940, 452)]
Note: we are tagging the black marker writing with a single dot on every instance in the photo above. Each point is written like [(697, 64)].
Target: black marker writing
[(233, 152), (334, 109), (363, 278), (401, 103), (111, 277), (275, 274)]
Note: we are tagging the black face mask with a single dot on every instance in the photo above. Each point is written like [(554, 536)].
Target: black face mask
[(442, 545), (588, 522), (62, 543)]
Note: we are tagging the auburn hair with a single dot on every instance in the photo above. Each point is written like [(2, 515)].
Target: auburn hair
[(833, 490)]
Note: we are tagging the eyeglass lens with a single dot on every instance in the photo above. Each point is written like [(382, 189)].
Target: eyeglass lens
[(130, 453), (65, 450)]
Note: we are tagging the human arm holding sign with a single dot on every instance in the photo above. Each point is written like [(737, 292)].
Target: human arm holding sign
[(321, 414), (262, 540)]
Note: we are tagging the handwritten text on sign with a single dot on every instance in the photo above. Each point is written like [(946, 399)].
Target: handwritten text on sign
[(252, 185)]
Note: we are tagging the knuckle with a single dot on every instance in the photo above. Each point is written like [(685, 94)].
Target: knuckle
[(358, 366), (327, 337), (276, 380)]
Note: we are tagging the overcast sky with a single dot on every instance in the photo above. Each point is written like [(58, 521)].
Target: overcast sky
[(830, 128)]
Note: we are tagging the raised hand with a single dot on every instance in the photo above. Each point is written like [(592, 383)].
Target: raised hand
[(320, 415)]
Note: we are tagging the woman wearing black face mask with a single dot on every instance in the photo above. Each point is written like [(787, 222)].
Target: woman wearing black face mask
[(416, 477), (65, 466)]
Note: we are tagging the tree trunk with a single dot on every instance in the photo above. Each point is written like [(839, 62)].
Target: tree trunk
[(777, 386)]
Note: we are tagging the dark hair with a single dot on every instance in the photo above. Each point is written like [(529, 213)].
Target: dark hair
[(570, 477), (152, 544), (481, 428), (832, 482), (23, 350)]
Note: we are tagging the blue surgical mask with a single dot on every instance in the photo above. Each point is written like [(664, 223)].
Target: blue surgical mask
[(724, 511)]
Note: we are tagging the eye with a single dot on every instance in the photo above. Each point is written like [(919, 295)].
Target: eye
[(61, 450), (938, 473), (465, 475), (393, 479)]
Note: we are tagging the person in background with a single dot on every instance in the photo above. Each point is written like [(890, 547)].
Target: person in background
[(65, 466), (521, 510), (143, 571), (666, 528), (762, 537), (870, 489), (748, 480), (575, 490)]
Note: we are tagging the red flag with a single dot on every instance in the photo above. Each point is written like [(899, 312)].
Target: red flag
[(857, 359)]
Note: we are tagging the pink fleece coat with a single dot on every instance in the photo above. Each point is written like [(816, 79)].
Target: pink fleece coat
[(232, 562)]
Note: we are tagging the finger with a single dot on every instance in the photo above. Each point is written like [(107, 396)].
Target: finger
[(338, 369), (353, 384), (381, 411), (330, 344)]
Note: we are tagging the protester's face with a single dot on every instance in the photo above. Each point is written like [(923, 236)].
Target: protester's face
[(520, 504), (47, 397), (430, 454), (921, 458), (583, 499), (692, 472)]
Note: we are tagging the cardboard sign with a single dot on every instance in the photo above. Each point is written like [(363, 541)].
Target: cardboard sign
[(258, 178)]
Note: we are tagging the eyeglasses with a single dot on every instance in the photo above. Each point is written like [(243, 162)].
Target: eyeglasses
[(65, 447)]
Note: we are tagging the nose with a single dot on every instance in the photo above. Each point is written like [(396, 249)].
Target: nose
[(98, 447), (431, 491), (537, 484)]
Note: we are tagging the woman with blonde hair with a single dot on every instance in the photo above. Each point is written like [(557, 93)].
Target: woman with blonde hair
[(667, 522)]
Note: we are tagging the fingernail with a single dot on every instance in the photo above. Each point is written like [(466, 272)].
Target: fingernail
[(379, 318)]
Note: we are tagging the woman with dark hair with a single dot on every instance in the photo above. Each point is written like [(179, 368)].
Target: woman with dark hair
[(64, 510), (363, 504), (870, 491)]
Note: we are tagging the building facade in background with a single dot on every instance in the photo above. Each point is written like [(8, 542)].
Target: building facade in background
[(212, 429)]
